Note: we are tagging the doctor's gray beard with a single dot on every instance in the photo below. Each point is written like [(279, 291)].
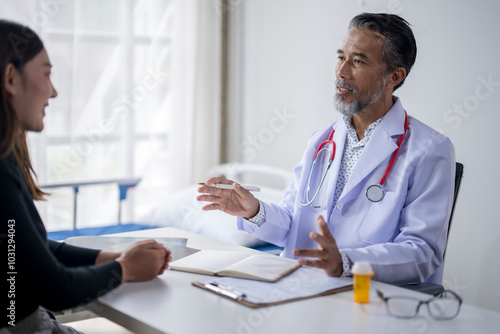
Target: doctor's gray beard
[(361, 102)]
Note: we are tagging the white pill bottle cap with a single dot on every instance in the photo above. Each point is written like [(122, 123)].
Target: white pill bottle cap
[(362, 268)]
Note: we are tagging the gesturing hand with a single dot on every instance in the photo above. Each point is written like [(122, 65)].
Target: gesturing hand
[(329, 258), (237, 201)]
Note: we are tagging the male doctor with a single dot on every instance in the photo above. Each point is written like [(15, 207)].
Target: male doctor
[(402, 234)]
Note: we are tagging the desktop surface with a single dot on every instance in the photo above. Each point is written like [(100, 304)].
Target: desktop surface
[(171, 304)]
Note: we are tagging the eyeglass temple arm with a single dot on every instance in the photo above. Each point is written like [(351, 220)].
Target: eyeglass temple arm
[(381, 295)]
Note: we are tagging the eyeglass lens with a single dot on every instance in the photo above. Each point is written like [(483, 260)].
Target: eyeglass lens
[(402, 307), (443, 307)]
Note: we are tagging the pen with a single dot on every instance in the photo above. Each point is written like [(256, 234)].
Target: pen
[(225, 291), (229, 186)]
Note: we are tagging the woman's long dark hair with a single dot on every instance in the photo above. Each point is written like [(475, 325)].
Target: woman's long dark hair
[(18, 45)]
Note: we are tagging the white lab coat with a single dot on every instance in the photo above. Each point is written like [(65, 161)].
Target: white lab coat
[(404, 235)]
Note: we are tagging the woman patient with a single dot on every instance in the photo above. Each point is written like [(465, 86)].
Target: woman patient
[(46, 274)]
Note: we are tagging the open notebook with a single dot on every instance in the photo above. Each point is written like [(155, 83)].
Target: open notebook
[(262, 267)]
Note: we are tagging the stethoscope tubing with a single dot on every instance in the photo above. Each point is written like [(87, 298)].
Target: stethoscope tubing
[(372, 196), (400, 141), (309, 201)]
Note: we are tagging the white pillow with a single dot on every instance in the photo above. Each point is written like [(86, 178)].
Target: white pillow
[(181, 210)]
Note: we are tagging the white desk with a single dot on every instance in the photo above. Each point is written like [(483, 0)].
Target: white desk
[(170, 304)]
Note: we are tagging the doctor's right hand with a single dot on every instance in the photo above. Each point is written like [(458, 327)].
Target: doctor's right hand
[(237, 201)]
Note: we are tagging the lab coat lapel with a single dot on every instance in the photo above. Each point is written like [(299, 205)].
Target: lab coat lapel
[(380, 146)]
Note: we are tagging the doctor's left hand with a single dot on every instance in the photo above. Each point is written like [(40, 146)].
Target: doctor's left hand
[(329, 258)]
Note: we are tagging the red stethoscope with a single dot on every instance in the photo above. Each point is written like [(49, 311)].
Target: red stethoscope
[(374, 193)]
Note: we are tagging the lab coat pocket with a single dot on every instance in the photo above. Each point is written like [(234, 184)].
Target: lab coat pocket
[(380, 223)]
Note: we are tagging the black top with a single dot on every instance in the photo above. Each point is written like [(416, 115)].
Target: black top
[(40, 271)]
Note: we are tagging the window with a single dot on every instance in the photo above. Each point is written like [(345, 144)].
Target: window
[(110, 67)]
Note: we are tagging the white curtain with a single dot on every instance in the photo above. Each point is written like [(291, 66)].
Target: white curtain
[(195, 70), (148, 68)]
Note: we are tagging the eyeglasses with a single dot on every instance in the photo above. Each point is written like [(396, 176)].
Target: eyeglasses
[(443, 306)]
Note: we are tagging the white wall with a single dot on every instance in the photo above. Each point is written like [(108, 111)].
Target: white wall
[(284, 59)]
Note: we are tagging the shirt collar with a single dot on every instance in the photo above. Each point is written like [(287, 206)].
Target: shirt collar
[(351, 132)]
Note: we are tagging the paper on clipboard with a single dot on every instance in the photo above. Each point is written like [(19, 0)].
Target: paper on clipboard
[(306, 282)]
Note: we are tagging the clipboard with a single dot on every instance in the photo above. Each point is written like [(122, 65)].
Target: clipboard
[(304, 283)]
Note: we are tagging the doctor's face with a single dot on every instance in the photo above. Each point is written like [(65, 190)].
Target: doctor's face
[(360, 72)]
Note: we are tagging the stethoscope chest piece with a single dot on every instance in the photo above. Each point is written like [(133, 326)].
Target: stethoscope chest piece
[(375, 193)]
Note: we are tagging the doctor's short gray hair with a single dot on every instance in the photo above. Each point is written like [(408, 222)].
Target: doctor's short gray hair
[(399, 48)]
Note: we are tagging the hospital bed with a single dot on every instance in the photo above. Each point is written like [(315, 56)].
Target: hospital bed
[(181, 209)]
